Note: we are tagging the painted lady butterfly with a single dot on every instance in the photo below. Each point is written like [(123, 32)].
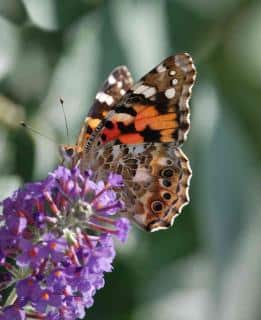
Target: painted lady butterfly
[(136, 131)]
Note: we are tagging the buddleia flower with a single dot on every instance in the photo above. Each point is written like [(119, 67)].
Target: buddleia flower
[(56, 243)]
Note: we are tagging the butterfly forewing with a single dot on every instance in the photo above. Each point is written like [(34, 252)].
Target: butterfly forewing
[(156, 108), (114, 88)]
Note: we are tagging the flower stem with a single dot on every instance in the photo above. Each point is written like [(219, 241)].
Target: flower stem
[(11, 298)]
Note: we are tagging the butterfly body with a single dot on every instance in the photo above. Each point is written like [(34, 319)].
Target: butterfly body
[(136, 131)]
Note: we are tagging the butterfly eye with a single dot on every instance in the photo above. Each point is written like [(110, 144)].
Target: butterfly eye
[(69, 152), (156, 206), (167, 173)]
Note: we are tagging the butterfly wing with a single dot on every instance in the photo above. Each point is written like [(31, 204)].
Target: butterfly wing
[(156, 180), (116, 85), (155, 109), (114, 88)]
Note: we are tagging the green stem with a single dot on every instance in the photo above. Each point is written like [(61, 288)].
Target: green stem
[(11, 298)]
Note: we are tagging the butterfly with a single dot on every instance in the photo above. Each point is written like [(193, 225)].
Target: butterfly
[(136, 130)]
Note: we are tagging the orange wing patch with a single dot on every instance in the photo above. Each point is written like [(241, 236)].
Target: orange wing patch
[(131, 138), (159, 122), (109, 134), (167, 135), (90, 124), (139, 107), (146, 112), (143, 123)]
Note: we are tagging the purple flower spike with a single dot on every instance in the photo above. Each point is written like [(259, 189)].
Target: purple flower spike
[(56, 243)]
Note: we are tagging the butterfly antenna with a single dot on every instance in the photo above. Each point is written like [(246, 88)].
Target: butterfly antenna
[(26, 126), (65, 120)]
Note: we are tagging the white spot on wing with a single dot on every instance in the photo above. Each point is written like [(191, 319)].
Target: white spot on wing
[(122, 92), (140, 89), (174, 82), (158, 228), (103, 97), (111, 79), (161, 68), (162, 161), (172, 72), (170, 93), (119, 84), (139, 148), (149, 92), (185, 68)]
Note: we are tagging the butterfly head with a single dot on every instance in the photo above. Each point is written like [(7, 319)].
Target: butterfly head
[(70, 155)]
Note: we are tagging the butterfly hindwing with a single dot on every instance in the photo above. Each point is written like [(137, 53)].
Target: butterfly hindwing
[(156, 180), (156, 108)]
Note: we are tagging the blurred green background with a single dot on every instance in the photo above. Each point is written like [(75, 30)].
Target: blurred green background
[(208, 266)]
